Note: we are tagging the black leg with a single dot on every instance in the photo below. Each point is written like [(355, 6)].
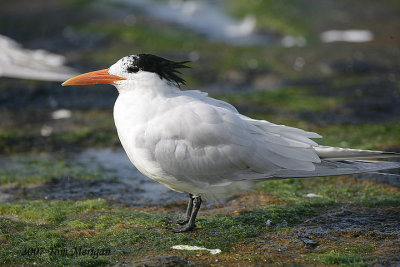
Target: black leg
[(192, 220), (188, 213), (188, 210)]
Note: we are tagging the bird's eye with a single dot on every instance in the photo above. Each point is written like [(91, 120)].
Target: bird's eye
[(132, 69)]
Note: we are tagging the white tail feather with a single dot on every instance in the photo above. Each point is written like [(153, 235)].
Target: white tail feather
[(337, 153), (328, 168)]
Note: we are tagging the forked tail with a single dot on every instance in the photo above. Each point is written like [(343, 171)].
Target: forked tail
[(339, 161)]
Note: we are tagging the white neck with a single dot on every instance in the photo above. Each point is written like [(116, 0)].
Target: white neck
[(146, 82)]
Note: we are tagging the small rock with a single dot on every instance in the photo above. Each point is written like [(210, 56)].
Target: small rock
[(61, 114), (309, 242)]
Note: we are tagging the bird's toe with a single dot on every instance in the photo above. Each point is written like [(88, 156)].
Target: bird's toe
[(179, 222), (185, 228)]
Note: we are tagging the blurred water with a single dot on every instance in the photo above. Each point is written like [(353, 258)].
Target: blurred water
[(144, 191), (206, 18)]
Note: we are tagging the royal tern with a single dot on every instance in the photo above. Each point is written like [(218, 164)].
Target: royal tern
[(203, 146)]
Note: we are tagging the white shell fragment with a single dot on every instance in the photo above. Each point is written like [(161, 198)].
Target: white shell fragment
[(312, 195), (188, 247)]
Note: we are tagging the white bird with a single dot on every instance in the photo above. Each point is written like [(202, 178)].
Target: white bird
[(17, 62), (196, 144)]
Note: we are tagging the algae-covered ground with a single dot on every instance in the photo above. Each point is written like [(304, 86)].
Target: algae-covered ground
[(69, 195)]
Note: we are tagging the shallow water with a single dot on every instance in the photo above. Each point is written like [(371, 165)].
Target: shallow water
[(115, 179), (116, 164)]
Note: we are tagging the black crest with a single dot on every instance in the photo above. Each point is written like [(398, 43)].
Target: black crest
[(166, 69)]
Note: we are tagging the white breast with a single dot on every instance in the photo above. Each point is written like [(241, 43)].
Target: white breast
[(132, 113)]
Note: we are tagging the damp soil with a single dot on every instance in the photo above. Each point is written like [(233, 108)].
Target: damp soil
[(340, 227), (120, 183)]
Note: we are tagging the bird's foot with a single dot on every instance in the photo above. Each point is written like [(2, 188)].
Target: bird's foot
[(189, 223), (179, 222), (185, 228)]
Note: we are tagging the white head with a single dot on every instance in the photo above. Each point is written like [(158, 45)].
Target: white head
[(132, 71)]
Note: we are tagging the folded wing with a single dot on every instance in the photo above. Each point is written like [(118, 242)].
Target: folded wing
[(207, 141)]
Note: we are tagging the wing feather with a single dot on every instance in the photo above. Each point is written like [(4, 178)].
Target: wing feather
[(203, 139)]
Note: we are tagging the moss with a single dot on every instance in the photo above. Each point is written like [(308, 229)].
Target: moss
[(85, 128), (42, 211), (298, 19), (340, 258), (364, 136), (333, 190), (144, 35), (32, 168), (289, 98), (7, 139), (95, 224), (86, 136)]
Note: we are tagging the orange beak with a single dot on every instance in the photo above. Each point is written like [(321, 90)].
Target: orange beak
[(94, 77)]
